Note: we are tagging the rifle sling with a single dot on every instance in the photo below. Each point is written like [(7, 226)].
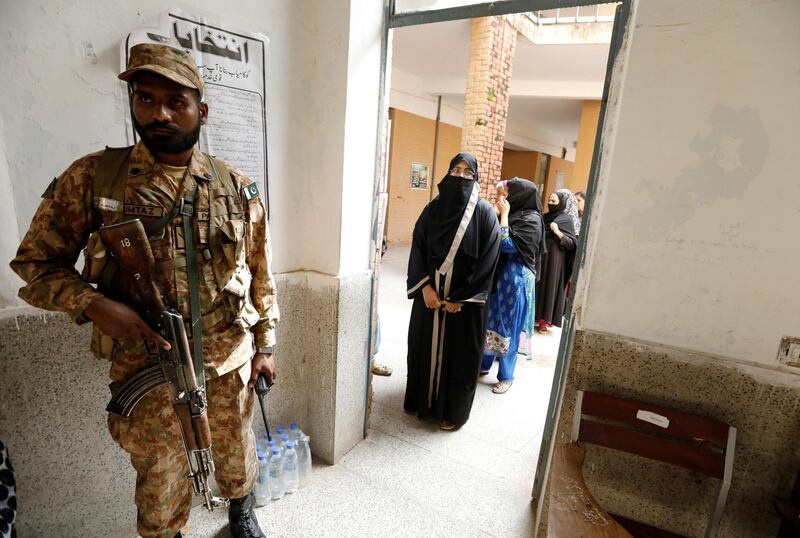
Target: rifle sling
[(187, 210), (113, 164), (159, 224)]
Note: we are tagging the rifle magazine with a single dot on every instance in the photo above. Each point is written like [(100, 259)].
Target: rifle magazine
[(136, 388)]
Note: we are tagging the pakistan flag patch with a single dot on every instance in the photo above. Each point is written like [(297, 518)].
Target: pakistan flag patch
[(251, 191)]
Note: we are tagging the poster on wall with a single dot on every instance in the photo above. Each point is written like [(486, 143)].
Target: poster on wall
[(233, 64), (419, 176)]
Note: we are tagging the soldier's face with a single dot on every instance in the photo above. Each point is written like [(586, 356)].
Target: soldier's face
[(166, 115)]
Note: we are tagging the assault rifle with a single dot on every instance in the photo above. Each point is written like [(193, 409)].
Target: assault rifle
[(128, 244)]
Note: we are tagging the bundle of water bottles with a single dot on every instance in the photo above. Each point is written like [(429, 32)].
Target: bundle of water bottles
[(284, 464)]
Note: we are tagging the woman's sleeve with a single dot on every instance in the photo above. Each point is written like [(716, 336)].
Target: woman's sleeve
[(418, 274), (538, 233), (476, 288), (507, 245), (566, 242)]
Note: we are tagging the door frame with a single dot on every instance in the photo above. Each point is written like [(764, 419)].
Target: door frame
[(488, 9)]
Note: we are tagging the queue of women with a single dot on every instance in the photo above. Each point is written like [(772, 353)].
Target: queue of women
[(480, 277)]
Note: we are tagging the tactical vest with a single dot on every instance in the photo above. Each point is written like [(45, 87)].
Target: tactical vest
[(223, 243)]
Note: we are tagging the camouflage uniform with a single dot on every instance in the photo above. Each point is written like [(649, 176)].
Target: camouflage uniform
[(228, 232)]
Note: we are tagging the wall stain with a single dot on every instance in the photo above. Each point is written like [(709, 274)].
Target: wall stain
[(728, 158)]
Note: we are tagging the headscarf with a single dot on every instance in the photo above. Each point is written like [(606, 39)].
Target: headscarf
[(525, 221), (448, 207), (565, 214), (572, 209)]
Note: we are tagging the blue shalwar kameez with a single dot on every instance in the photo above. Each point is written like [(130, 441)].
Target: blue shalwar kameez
[(511, 311)]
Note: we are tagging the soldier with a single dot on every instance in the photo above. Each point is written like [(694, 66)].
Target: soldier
[(156, 181)]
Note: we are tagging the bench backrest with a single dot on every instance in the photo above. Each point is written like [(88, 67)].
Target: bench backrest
[(693, 442)]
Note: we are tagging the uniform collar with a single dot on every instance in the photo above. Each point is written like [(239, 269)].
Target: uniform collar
[(142, 161), (199, 166)]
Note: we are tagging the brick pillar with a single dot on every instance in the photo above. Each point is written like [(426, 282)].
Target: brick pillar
[(491, 57)]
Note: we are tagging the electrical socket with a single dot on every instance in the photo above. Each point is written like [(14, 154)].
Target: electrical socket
[(789, 351)]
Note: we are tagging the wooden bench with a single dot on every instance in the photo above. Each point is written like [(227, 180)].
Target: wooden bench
[(573, 511), (696, 443)]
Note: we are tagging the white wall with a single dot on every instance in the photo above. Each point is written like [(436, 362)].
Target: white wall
[(8, 239), (62, 103), (696, 233), (315, 117), (361, 132)]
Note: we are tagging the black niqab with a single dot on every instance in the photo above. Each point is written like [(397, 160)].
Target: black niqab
[(526, 226), (448, 207), (558, 215)]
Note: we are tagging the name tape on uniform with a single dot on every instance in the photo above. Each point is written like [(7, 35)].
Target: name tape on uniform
[(109, 204), (143, 210)]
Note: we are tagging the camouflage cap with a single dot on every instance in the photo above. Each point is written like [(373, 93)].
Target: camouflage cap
[(170, 62)]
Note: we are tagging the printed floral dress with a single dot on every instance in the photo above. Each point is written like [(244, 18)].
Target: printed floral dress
[(511, 310)]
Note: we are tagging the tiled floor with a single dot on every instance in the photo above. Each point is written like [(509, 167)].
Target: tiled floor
[(408, 478)]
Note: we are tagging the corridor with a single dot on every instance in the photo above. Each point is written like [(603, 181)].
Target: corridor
[(408, 478)]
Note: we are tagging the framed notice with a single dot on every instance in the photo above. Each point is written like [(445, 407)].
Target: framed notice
[(419, 176), (233, 64)]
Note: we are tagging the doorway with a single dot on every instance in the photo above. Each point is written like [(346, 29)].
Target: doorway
[(509, 434)]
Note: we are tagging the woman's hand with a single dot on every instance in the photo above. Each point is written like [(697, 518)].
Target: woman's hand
[(555, 230), (503, 207), (452, 308), (430, 297)]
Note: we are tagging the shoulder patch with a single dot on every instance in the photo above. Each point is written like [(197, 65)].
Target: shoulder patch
[(251, 191), (51, 188)]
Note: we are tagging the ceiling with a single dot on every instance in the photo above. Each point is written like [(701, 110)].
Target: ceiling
[(439, 50), (560, 62), (549, 82)]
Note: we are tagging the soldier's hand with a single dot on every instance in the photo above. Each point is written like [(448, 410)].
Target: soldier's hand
[(121, 322), (263, 363)]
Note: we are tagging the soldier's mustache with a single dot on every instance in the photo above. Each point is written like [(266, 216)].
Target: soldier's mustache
[(161, 125)]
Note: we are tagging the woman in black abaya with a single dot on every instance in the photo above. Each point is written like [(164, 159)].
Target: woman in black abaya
[(562, 226), (453, 256)]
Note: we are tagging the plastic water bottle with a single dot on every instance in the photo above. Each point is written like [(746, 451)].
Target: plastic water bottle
[(304, 460), (262, 483), (295, 433), (291, 477), (276, 486), (284, 441), (280, 432), (270, 445), (262, 442)]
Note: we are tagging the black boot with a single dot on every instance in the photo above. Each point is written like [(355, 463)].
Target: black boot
[(242, 518)]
